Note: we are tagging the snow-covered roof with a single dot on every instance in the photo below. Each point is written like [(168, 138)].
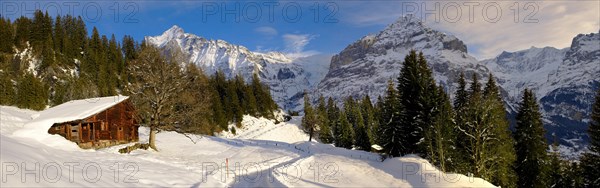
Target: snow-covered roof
[(69, 111), (79, 109)]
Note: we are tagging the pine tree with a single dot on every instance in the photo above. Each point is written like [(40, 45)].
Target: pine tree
[(462, 163), (371, 123), (79, 37), (251, 101), (310, 119), (417, 92), (59, 35), (441, 136), (475, 89), (92, 60), (218, 83), (530, 144), (193, 105), (590, 161), (502, 149), (391, 112), (236, 112), (22, 34), (7, 91), (345, 139), (362, 138), (80, 87), (333, 116), (41, 29), (247, 98), (265, 102), (351, 115), (219, 117), (323, 122), (377, 115), (6, 35), (558, 174), (129, 48), (461, 95), (48, 58), (31, 93), (114, 65), (483, 135)]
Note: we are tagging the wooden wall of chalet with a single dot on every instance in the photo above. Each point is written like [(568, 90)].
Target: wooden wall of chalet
[(115, 125)]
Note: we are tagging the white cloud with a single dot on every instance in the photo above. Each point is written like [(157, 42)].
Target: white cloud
[(557, 23), (295, 43), (267, 31)]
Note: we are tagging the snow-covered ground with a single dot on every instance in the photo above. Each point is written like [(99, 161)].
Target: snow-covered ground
[(262, 154)]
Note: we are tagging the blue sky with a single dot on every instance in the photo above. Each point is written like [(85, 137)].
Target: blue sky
[(296, 27)]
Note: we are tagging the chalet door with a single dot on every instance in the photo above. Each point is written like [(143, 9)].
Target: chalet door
[(120, 134)]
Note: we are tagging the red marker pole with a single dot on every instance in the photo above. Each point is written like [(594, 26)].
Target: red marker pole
[(227, 167)]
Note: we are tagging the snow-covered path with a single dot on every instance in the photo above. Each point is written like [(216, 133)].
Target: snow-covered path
[(263, 129), (263, 154)]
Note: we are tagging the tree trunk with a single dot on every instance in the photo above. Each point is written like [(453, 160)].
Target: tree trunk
[(151, 140), (310, 134)]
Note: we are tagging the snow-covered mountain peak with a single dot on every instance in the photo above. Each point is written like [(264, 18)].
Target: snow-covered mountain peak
[(285, 77), (406, 21), (528, 60), (409, 30), (174, 32), (365, 66), (585, 47)]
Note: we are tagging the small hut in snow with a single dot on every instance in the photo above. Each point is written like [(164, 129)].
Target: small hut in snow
[(93, 123)]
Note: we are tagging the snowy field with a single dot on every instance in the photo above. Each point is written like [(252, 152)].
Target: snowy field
[(261, 154)]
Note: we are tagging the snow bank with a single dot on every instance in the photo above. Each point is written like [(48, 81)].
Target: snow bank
[(13, 118)]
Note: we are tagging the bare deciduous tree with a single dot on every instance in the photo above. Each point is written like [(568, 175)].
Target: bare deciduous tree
[(155, 85)]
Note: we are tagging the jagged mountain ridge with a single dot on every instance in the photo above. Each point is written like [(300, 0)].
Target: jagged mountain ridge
[(365, 66), (285, 76), (564, 81), (522, 69)]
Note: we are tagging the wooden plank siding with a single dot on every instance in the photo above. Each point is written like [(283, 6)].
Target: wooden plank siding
[(115, 125)]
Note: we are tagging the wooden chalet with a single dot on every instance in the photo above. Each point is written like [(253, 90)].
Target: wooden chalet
[(106, 122)]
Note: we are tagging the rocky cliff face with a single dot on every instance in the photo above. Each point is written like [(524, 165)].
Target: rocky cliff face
[(365, 66)]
